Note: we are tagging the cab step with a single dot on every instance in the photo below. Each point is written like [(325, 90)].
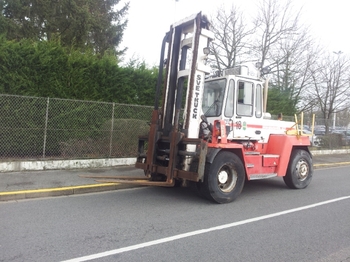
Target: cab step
[(261, 176)]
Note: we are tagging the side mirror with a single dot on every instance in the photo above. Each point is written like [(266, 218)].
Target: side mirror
[(204, 119)]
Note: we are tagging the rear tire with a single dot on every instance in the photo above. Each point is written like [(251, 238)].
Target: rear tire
[(223, 179), (300, 170)]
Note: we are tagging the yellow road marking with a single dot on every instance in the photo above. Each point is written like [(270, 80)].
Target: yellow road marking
[(55, 189), (332, 164)]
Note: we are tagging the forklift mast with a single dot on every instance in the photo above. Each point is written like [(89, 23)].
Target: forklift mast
[(188, 42), (173, 139)]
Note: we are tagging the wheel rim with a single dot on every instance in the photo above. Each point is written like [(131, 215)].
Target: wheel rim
[(227, 179), (302, 169)]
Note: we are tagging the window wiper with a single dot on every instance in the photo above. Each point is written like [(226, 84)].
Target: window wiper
[(211, 107)]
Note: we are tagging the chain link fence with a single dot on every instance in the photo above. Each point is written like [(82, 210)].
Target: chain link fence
[(43, 128), (50, 128), (336, 137)]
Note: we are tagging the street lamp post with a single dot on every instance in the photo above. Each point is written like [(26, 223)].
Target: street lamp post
[(175, 5), (338, 53)]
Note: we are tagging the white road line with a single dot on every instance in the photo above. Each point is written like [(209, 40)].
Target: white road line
[(201, 231)]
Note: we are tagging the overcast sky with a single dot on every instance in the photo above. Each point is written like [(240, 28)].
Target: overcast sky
[(149, 20)]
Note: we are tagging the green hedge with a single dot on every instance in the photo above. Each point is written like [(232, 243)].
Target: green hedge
[(332, 141), (46, 69)]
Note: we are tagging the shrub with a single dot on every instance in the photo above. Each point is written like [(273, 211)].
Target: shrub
[(332, 141)]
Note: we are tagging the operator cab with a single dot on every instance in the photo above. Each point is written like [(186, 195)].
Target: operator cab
[(237, 98)]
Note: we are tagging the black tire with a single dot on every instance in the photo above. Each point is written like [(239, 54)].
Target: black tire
[(300, 170), (223, 179)]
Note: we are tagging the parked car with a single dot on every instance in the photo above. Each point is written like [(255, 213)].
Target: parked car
[(305, 127), (320, 129), (314, 140)]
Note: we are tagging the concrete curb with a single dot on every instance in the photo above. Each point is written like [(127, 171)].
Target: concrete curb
[(40, 165), (330, 152)]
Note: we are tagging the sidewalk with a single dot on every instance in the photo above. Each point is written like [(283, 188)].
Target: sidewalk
[(33, 184)]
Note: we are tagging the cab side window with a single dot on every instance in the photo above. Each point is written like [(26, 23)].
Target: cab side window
[(258, 101), (245, 99), (230, 100)]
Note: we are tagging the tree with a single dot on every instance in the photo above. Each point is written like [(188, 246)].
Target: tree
[(280, 102), (292, 68), (331, 86), (231, 34), (276, 22), (81, 24)]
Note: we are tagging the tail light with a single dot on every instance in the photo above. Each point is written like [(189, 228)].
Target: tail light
[(217, 130)]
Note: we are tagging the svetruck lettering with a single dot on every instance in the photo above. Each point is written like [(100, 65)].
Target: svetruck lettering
[(196, 97)]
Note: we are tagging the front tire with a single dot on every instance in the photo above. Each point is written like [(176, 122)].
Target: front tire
[(300, 170), (224, 178)]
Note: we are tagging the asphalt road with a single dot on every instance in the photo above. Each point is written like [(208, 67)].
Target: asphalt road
[(268, 222)]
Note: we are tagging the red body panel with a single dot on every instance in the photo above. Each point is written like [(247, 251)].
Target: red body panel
[(282, 145), (254, 165), (270, 158)]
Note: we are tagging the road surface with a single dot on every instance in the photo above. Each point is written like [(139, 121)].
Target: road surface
[(268, 222)]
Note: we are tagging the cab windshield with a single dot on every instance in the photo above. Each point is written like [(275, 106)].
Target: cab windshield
[(213, 97)]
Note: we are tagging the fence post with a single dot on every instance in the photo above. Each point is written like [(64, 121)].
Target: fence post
[(112, 127), (45, 129)]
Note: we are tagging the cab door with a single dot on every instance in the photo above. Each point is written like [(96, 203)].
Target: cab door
[(247, 115)]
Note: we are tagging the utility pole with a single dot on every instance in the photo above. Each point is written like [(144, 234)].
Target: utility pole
[(175, 5), (335, 114)]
